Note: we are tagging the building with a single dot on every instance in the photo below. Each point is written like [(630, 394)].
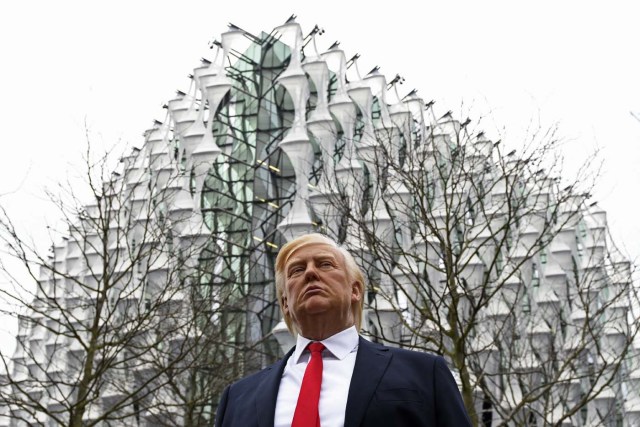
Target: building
[(477, 255)]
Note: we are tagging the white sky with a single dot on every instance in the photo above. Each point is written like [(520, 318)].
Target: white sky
[(113, 64)]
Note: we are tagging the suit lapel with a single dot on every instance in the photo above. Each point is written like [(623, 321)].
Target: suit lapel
[(371, 363), (266, 393)]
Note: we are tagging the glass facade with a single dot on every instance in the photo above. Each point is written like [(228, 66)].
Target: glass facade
[(249, 190)]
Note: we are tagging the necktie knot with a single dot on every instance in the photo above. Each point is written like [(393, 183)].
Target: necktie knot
[(316, 347)]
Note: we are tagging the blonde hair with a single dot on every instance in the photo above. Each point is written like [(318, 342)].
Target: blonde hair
[(354, 274)]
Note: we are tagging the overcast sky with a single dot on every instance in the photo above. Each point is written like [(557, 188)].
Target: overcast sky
[(111, 66)]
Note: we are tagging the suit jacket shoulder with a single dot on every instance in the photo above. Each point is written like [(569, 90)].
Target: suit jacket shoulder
[(251, 401), (399, 387)]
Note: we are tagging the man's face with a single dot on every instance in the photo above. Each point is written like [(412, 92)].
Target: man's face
[(316, 284)]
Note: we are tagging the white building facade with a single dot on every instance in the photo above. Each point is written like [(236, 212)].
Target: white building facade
[(469, 253)]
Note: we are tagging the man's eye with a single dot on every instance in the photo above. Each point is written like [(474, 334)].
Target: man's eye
[(325, 264), (295, 270)]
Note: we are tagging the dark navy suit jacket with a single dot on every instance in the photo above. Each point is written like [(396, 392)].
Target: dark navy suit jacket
[(389, 387)]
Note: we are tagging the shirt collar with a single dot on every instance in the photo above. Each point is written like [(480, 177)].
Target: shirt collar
[(340, 344)]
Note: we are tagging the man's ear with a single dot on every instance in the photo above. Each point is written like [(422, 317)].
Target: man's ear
[(356, 291), (285, 306)]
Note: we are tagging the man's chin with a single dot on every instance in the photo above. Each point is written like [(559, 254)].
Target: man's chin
[(316, 304)]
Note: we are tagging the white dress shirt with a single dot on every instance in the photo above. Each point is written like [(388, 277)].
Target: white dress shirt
[(338, 360)]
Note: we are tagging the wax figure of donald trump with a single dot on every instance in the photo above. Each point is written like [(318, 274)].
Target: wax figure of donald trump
[(333, 377)]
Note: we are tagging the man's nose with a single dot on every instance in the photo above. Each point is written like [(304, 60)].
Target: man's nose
[(310, 273)]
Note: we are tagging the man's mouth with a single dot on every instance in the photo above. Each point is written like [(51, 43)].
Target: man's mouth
[(312, 290)]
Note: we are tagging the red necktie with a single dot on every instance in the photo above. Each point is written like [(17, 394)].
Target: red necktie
[(306, 414)]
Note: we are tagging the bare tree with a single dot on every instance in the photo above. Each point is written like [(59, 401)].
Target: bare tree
[(125, 320), (496, 261)]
